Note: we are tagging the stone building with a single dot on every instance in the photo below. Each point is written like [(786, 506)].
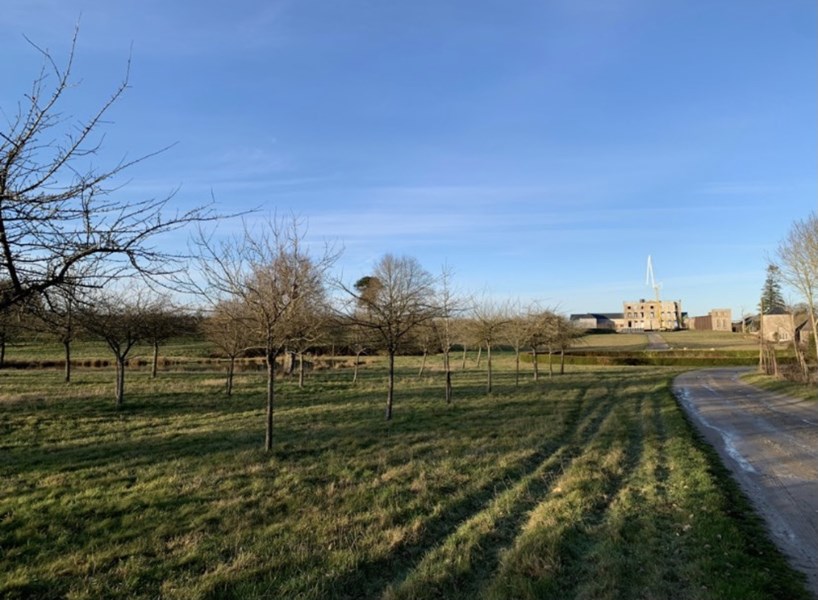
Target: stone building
[(778, 326), (652, 315), (719, 319)]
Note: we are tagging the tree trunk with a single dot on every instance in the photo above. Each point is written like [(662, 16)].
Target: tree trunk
[(300, 369), (2, 351), (536, 363), (120, 381), (289, 362), (67, 337), (271, 372), (231, 369), (155, 362), (447, 368), (773, 361), (479, 354), (355, 371), (423, 363), (391, 384), (812, 320), (516, 367), (562, 361), (66, 344), (769, 360), (550, 363), (488, 368), (463, 368), (802, 363)]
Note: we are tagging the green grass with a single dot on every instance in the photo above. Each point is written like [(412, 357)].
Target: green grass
[(608, 342), (687, 349), (587, 485), (781, 386), (678, 340), (706, 340), (48, 350)]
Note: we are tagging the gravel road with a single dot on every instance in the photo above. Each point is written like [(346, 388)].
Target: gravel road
[(770, 443)]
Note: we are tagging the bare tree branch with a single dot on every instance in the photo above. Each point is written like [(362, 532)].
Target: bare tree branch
[(58, 213)]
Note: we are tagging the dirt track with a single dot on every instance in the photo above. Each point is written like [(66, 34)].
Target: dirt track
[(770, 443)]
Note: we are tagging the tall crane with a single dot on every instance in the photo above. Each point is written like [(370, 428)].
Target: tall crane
[(650, 280)]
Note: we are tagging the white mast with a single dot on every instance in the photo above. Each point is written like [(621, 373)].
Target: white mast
[(650, 280)]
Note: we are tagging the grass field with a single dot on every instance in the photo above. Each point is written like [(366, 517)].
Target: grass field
[(677, 340), (587, 485), (48, 350), (705, 340), (611, 342)]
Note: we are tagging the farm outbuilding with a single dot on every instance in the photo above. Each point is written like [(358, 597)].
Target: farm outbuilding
[(600, 321)]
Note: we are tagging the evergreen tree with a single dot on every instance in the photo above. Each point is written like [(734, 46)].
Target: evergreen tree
[(771, 297)]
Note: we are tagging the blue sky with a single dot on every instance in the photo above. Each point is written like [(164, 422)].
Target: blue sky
[(541, 148)]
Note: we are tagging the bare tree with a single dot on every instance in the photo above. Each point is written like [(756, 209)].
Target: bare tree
[(10, 325), (798, 263), (268, 270), (554, 338), (57, 316), (61, 223), (309, 325), (463, 333), (358, 340), (516, 335), (119, 320), (538, 321), (427, 340), (227, 328), (450, 305), (489, 319), (563, 334), (395, 299), (164, 320)]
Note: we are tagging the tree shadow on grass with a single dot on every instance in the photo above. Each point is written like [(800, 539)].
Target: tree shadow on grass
[(371, 578), (485, 550), (127, 454)]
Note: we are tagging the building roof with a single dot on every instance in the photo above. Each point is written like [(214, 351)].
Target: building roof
[(597, 316)]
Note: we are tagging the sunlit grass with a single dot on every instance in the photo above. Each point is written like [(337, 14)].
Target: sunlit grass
[(782, 386), (50, 350), (586, 485), (706, 340), (612, 341)]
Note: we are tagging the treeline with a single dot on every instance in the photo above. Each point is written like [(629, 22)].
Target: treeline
[(261, 293)]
